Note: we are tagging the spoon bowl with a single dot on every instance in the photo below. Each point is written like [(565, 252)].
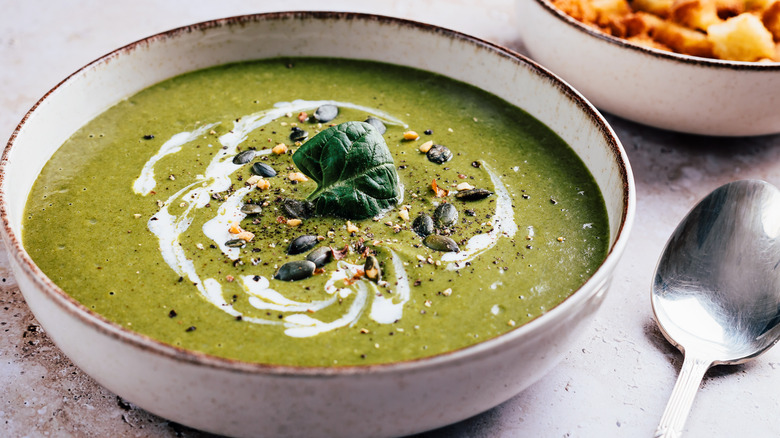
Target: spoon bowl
[(716, 289)]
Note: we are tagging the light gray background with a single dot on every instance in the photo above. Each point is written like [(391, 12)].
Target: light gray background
[(615, 382)]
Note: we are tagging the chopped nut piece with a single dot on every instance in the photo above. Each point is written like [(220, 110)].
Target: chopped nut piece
[(352, 228), (428, 303), (440, 193), (229, 278), (420, 258), (511, 323), (246, 236), (403, 214), (464, 186), (294, 222), (411, 135), (425, 147), (302, 116), (364, 330), (279, 149), (253, 180), (297, 176), (561, 239), (447, 292), (137, 216), (263, 184), (235, 228)]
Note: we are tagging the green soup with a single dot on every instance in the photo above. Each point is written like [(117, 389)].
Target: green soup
[(134, 214)]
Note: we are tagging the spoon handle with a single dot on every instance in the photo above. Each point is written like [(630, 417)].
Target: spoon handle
[(679, 405)]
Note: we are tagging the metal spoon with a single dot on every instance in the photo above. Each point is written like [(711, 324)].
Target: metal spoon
[(716, 292)]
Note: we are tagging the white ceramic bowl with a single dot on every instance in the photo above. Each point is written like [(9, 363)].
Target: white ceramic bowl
[(247, 399), (657, 88)]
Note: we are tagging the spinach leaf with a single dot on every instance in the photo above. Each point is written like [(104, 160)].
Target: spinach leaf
[(354, 171)]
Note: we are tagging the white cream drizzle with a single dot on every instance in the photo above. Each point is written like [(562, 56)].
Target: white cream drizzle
[(264, 298), (146, 183), (299, 320), (387, 310), (217, 228)]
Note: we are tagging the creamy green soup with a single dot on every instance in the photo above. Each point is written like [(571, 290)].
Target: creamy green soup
[(142, 216)]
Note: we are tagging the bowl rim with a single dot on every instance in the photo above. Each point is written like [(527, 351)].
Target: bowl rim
[(150, 345), (665, 55)]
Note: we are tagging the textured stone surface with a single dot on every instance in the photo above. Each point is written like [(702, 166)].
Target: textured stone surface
[(614, 383)]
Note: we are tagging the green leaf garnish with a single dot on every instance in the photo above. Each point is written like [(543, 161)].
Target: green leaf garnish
[(354, 171)]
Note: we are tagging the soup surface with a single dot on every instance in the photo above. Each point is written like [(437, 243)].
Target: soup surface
[(154, 215)]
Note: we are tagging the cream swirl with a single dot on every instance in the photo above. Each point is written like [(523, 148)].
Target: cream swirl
[(385, 308)]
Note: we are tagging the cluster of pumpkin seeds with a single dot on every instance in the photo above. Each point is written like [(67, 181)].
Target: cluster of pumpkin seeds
[(434, 229), (317, 259)]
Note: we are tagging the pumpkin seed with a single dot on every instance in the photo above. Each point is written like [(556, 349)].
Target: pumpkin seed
[(377, 124), (320, 256), (439, 154), (298, 134), (251, 209), (422, 225), (445, 215), (441, 243), (473, 194), (295, 270), (302, 244), (244, 157), (235, 243), (264, 170), (372, 269), (298, 209), (326, 113)]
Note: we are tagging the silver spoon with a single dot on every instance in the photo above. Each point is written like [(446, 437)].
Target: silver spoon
[(716, 292)]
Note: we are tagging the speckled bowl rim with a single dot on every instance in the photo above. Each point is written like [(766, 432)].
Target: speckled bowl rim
[(670, 56), (138, 340)]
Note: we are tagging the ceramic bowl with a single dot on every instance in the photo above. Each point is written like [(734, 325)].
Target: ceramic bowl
[(247, 399), (654, 87)]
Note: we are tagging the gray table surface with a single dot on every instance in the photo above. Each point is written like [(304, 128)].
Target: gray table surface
[(615, 382)]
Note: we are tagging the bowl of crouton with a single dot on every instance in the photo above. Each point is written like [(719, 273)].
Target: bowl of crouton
[(708, 67)]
